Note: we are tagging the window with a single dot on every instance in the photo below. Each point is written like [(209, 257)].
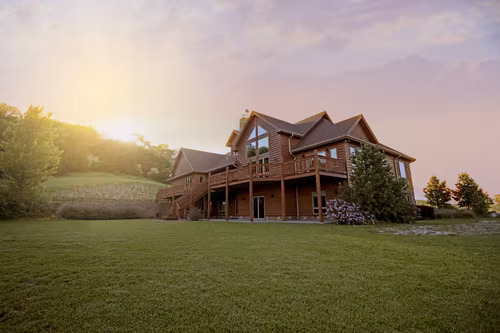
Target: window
[(252, 135), (187, 180), (251, 149), (333, 152), (263, 145), (352, 151), (221, 208), (315, 202), (260, 131), (402, 169), (322, 153), (202, 178)]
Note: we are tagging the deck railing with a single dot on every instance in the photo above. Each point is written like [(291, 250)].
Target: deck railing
[(299, 166)]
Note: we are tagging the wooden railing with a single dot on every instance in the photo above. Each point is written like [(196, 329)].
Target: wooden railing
[(259, 171), (193, 195)]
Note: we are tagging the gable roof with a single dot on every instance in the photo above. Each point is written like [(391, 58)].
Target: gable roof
[(202, 161), (284, 126), (315, 117), (233, 134), (325, 131)]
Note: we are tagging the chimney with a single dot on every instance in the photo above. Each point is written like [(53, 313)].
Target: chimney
[(243, 119)]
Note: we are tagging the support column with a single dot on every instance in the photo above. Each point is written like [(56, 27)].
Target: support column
[(208, 196), (250, 191), (297, 200), (227, 195), (318, 186), (283, 199)]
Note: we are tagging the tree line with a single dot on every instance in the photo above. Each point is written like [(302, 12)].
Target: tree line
[(83, 148), (34, 147), (467, 194)]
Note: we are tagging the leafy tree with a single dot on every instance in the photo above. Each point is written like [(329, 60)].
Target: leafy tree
[(29, 155), (469, 194), (8, 115), (437, 193), (497, 202), (375, 189)]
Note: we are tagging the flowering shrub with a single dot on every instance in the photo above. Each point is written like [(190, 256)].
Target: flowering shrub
[(344, 212)]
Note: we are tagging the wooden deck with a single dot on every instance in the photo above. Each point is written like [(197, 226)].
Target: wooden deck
[(303, 167)]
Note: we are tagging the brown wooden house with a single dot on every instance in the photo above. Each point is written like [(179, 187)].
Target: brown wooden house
[(275, 169)]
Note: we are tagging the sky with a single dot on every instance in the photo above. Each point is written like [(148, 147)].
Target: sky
[(425, 74)]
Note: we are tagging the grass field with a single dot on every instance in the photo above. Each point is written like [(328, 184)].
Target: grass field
[(147, 275)]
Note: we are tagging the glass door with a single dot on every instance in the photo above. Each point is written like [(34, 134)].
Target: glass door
[(258, 207)]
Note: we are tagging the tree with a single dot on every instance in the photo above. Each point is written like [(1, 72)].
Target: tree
[(29, 155), (8, 115), (497, 202), (469, 194), (375, 189), (437, 193)]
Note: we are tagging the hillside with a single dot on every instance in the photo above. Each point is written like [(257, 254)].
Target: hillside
[(100, 186)]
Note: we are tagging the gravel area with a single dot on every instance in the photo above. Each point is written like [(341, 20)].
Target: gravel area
[(486, 227)]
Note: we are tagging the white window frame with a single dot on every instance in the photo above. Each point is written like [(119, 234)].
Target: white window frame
[(333, 150), (402, 169), (316, 209)]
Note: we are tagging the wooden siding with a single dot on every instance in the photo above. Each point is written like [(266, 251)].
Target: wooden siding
[(360, 131)]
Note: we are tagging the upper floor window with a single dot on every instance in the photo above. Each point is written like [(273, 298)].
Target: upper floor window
[(333, 152), (352, 151), (258, 142), (187, 180), (263, 145), (202, 178), (322, 153), (402, 169)]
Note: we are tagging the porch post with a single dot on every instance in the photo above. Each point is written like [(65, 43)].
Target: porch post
[(297, 200), (318, 186), (250, 191), (227, 195), (208, 195), (283, 199)]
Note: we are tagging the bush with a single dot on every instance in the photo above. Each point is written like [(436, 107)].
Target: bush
[(18, 206), (454, 213), (426, 212), (195, 214), (106, 211), (343, 212)]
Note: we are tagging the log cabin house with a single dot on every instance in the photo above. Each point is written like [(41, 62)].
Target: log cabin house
[(275, 170)]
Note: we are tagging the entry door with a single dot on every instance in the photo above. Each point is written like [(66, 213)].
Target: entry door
[(258, 207)]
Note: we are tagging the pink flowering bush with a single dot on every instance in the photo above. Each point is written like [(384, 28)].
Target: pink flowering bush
[(344, 212)]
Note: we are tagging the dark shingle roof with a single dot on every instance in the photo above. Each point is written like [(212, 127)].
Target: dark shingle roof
[(203, 161), (326, 131), (286, 126)]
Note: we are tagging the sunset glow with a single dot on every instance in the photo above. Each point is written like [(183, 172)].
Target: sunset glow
[(425, 74)]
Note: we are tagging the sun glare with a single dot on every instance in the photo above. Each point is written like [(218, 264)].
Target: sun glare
[(121, 130)]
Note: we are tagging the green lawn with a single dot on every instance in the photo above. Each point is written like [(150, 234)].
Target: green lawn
[(146, 275)]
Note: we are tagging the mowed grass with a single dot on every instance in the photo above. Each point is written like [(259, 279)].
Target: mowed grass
[(75, 179), (147, 275)]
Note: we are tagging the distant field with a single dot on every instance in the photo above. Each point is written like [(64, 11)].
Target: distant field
[(157, 276), (101, 185)]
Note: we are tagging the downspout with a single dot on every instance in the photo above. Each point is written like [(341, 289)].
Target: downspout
[(290, 145)]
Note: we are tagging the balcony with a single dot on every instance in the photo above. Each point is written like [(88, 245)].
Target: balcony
[(298, 168)]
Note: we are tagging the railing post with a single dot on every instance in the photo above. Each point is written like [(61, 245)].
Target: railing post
[(283, 199), (208, 195), (318, 186), (250, 191), (227, 194)]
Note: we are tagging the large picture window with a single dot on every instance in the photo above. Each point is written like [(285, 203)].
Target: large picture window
[(263, 145), (258, 142), (251, 149)]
